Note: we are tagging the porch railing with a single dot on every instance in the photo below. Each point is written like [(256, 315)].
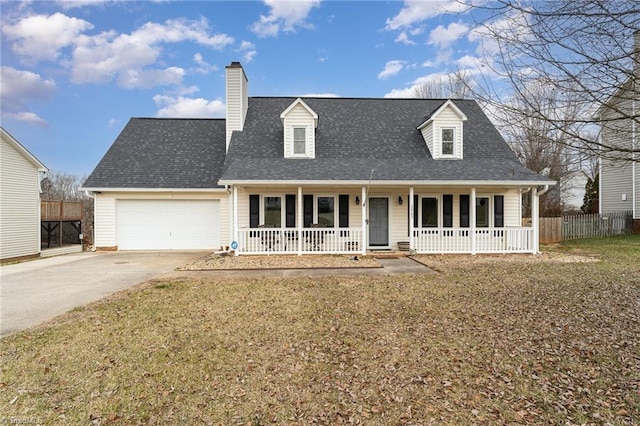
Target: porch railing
[(295, 241), (487, 240)]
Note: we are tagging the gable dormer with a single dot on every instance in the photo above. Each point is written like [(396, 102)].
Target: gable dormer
[(299, 122), (443, 131)]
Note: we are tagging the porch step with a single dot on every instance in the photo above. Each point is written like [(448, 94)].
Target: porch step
[(386, 254)]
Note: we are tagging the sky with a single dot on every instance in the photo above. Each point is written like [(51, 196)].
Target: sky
[(74, 72)]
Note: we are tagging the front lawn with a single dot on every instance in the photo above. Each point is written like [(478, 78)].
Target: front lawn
[(482, 342)]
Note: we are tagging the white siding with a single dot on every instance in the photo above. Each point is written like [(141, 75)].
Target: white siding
[(398, 214), (237, 100), (105, 226), (616, 179), (432, 133), (427, 134), (19, 204), (299, 116)]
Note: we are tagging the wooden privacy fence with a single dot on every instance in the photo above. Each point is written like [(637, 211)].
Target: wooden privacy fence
[(571, 227)]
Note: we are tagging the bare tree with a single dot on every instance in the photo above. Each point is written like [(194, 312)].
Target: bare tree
[(66, 187), (454, 85), (583, 51)]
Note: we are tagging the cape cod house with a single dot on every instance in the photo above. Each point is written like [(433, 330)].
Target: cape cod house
[(316, 175)]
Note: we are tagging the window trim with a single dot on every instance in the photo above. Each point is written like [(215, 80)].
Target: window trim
[(439, 210), (293, 142), (335, 208), (283, 213), (489, 199), (453, 142)]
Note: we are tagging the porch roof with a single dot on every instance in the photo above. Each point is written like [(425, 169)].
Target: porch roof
[(356, 136)]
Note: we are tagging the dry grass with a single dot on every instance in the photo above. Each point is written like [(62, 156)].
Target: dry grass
[(484, 342)]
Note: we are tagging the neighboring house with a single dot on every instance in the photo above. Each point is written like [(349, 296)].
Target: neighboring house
[(20, 175), (572, 189), (620, 180), (316, 175)]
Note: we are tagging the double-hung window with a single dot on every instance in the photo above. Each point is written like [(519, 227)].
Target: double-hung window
[(430, 212), (447, 137), (299, 140), (272, 211), (326, 209), (482, 212)]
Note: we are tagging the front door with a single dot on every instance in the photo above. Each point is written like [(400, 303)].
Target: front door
[(378, 222)]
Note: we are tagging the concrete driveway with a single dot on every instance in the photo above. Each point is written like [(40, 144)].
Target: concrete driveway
[(36, 291)]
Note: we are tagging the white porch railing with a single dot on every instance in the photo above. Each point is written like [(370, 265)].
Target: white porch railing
[(487, 240), (294, 241)]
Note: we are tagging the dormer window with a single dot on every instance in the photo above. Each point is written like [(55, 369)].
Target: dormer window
[(299, 123), (448, 141), (443, 130), (299, 141)]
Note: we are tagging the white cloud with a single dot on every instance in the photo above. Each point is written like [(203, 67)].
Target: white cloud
[(444, 37), (113, 122), (40, 37), (147, 79), (417, 11), (403, 38), (182, 107), (391, 68), (18, 86), (248, 51), (27, 117), (437, 79), (285, 16), (71, 4), (108, 56), (203, 66)]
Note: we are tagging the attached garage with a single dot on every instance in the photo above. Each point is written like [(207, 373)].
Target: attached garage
[(168, 224)]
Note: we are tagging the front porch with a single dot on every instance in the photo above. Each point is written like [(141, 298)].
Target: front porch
[(351, 241), (420, 220)]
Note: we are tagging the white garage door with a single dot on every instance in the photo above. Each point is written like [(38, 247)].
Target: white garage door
[(168, 224)]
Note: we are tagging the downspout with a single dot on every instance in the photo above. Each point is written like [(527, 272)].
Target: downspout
[(546, 188)]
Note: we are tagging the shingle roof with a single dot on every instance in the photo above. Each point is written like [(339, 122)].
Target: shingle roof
[(163, 153), (356, 136)]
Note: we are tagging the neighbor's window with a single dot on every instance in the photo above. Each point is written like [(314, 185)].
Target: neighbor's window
[(429, 212), (482, 212), (273, 211), (299, 140), (326, 212), (447, 141)]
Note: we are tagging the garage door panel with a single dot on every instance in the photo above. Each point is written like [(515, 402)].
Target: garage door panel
[(168, 224)]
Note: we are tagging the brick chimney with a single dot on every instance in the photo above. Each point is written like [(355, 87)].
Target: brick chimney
[(237, 98)]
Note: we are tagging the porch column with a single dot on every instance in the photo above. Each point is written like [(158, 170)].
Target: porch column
[(535, 219), (235, 219), (472, 219), (300, 220), (411, 219), (365, 228)]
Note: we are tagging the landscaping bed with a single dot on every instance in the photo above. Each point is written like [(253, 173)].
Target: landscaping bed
[(217, 261)]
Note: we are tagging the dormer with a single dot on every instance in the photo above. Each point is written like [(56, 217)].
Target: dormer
[(300, 123), (443, 130)]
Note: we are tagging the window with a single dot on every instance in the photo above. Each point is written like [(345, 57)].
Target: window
[(482, 212), (429, 212), (447, 141), (273, 211), (326, 212), (299, 140)]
